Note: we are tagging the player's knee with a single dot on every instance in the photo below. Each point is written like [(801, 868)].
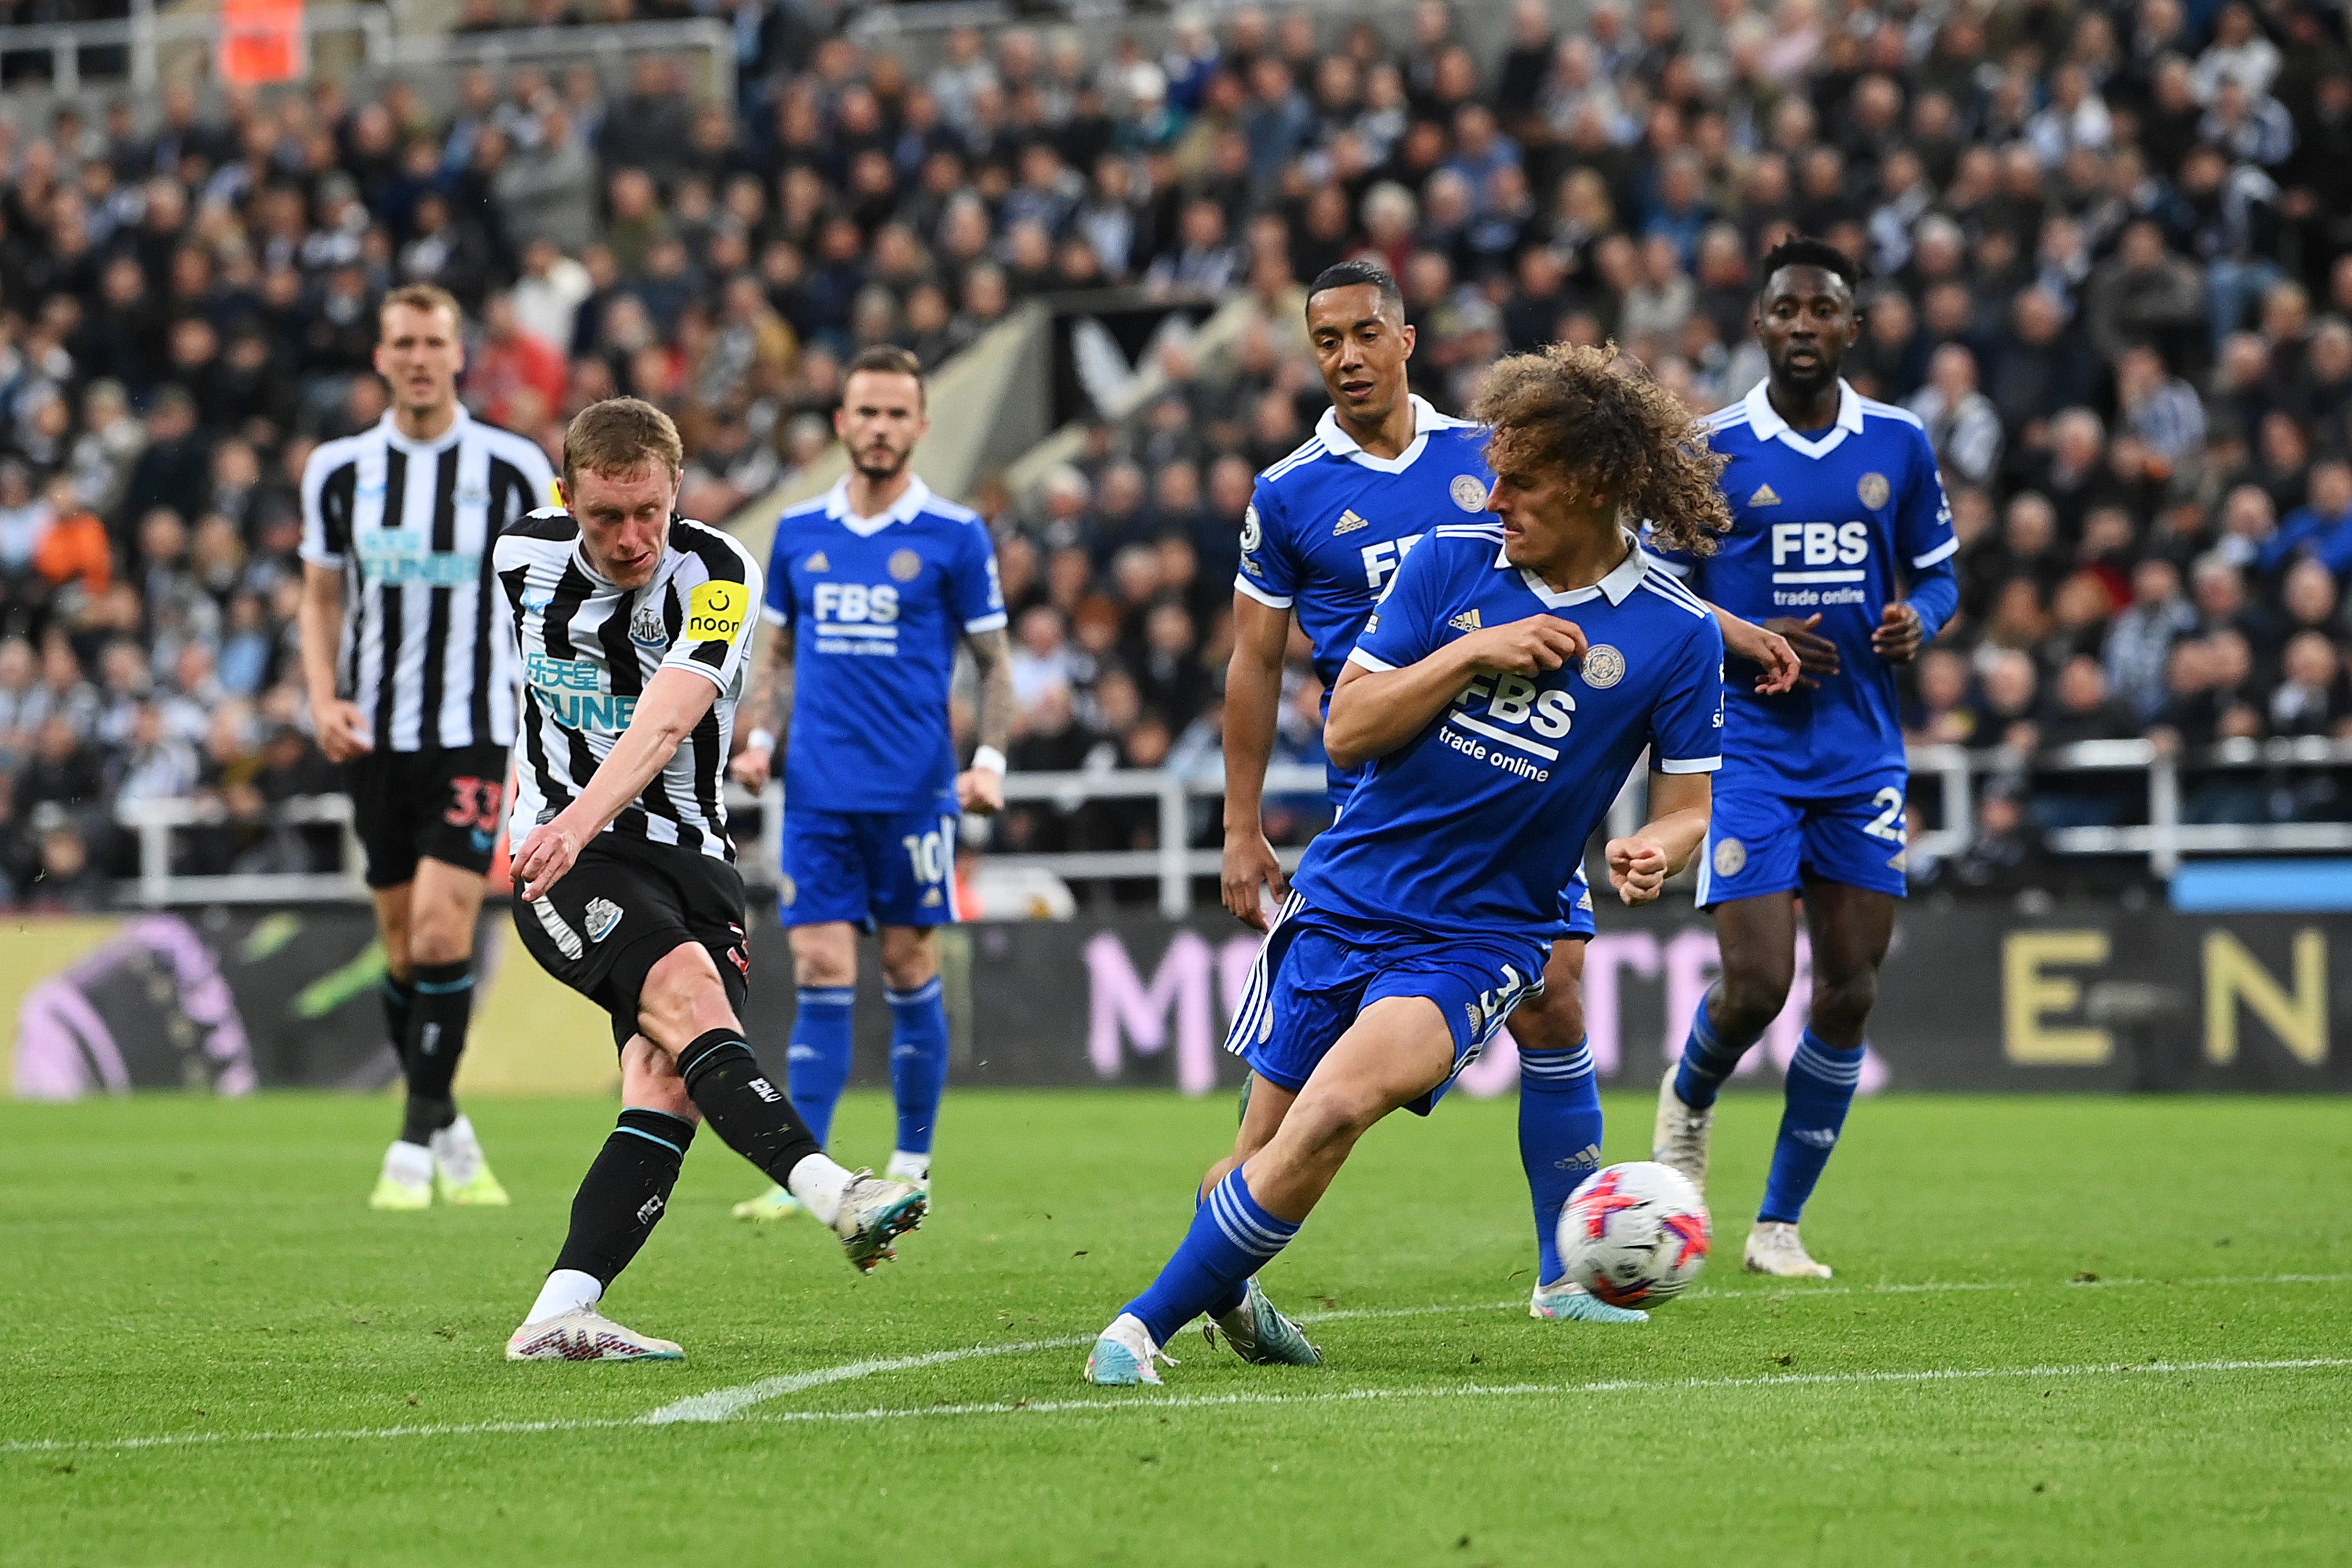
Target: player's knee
[(1751, 995), (1550, 1021), (1842, 1003), (438, 938), (823, 958), (909, 958), (649, 1080), (683, 998)]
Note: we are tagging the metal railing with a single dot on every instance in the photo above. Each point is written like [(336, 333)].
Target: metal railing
[(1176, 865), (157, 43)]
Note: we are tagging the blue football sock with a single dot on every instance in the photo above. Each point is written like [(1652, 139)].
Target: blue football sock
[(1232, 1238), (1232, 1300), (919, 1063), (1820, 1085), (822, 1043), (1560, 1139), (1708, 1060)]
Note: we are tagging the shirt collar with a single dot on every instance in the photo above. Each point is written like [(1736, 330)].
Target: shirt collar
[(904, 509), (1766, 421), (1340, 443), (1617, 587), (390, 426)]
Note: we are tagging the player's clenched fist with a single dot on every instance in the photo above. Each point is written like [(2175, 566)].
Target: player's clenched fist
[(545, 856), (343, 730), (1637, 868), (1531, 647)]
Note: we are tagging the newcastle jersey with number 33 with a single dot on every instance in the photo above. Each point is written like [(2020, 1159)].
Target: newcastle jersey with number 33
[(876, 606), (1477, 823), (1832, 525)]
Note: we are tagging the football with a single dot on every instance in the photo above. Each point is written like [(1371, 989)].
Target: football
[(1634, 1235)]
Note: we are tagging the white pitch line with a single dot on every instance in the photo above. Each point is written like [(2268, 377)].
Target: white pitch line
[(723, 1404), (1557, 1390), (726, 1403), (1113, 1405)]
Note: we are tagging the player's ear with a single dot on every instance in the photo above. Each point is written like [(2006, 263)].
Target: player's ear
[(1407, 336), (562, 497)]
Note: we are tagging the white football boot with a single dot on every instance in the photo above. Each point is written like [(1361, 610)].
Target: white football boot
[(1773, 1248), (584, 1334), (1123, 1355), (1678, 1137), (407, 1181), (460, 1174), (875, 1212)]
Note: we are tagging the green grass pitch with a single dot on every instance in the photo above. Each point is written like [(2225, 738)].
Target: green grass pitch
[(214, 1352)]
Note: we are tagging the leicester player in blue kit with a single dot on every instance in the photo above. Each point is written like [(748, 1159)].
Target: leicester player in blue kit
[(1510, 678), (1325, 534), (871, 590), (1842, 541)]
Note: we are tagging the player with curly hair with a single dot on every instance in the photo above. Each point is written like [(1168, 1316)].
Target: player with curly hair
[(1514, 672)]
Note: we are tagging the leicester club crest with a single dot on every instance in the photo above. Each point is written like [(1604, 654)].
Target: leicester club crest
[(906, 565), (1730, 856), (1873, 490), (1468, 492), (1604, 666)]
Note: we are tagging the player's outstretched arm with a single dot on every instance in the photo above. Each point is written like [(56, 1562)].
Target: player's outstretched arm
[(1373, 711), (674, 702), (1764, 646), (771, 694), (1252, 705), (342, 728), (980, 787), (1640, 862)]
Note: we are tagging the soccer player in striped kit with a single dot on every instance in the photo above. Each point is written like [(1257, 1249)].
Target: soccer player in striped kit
[(412, 690), (633, 626)]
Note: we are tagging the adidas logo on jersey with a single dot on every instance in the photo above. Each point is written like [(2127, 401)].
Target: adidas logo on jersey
[(818, 563), (1764, 497), (1466, 622), (1348, 523)]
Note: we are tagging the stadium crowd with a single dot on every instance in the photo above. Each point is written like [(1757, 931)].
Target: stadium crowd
[(2110, 259)]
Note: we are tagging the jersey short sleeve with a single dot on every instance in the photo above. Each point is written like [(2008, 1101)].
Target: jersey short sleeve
[(778, 606), (716, 637), (1687, 727), (1270, 570), (1407, 624), (326, 510), (1922, 523), (973, 583)]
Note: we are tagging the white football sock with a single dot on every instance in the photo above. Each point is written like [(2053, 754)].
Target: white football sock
[(818, 1182), (410, 1163), (566, 1290), (916, 1168)]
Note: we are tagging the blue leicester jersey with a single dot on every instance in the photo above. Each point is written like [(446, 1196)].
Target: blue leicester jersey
[(1329, 524), (876, 606), (1474, 825), (1830, 526)]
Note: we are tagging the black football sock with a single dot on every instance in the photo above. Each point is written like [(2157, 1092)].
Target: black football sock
[(396, 996), (442, 1004), (750, 1115), (624, 1193)]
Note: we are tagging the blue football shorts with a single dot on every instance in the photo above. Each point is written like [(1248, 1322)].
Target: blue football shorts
[(1761, 840), (1315, 972), (871, 868), (1575, 908)]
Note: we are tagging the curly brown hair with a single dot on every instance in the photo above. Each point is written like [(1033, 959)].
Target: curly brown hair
[(1589, 414)]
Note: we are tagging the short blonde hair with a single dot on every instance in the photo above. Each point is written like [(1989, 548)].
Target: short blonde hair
[(423, 296), (616, 436)]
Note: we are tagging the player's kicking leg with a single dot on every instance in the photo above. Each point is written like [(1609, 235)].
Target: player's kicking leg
[(1398, 1049), (1559, 1126), (694, 1064), (429, 924), (818, 1059)]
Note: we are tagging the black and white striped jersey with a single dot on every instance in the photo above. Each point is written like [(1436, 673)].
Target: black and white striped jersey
[(410, 525), (587, 646)]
